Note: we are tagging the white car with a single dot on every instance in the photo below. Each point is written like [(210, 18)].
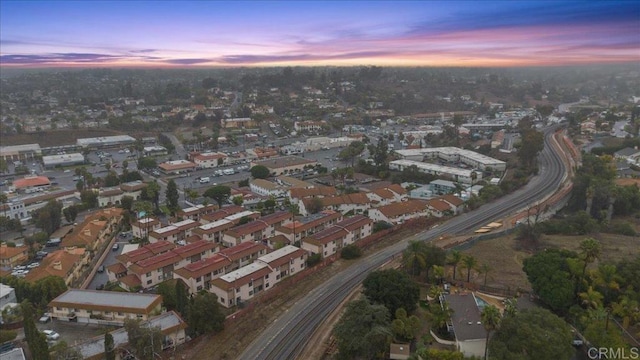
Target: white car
[(51, 335), (46, 317), (33, 265)]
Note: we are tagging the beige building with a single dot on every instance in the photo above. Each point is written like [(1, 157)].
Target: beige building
[(104, 307), (11, 257), (285, 165)]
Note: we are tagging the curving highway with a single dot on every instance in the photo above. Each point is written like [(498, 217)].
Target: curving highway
[(288, 334)]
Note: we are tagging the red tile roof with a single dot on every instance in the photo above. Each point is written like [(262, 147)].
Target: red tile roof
[(31, 181)]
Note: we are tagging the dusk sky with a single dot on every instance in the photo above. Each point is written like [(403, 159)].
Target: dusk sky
[(308, 33)]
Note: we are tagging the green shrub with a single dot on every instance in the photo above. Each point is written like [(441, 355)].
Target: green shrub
[(351, 252), (7, 335), (314, 260)]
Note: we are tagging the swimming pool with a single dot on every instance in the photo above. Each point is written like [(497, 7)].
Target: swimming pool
[(481, 303)]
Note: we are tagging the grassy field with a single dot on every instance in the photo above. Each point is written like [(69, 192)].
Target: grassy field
[(504, 254)]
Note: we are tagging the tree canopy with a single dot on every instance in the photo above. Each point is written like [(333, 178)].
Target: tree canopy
[(532, 334), (393, 289), (362, 331), (260, 172), (551, 278), (172, 196), (219, 193), (205, 315)]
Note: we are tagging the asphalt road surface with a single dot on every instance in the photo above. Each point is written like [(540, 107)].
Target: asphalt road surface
[(288, 335)]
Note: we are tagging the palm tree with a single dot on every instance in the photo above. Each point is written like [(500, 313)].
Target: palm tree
[(589, 251), (413, 257), (511, 307), (469, 263), (484, 269), (454, 259), (439, 315), (606, 280), (491, 321), (627, 309), (435, 292), (438, 272), (592, 299)]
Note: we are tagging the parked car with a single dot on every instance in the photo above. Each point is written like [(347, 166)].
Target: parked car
[(51, 335), (46, 317), (101, 269), (115, 247)]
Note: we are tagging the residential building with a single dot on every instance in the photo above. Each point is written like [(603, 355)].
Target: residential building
[(458, 175), (285, 165), (356, 203), (175, 232), (239, 123), (308, 126), (11, 257), (457, 204), (467, 324), (308, 225), (113, 195), (285, 261), (242, 284), (439, 208), (197, 275), (67, 264), (254, 231), (195, 212), (170, 324), (267, 188), (441, 187), (243, 254), (296, 195), (221, 214), (326, 242), (22, 208), (96, 229), (358, 226), (291, 182), (7, 296), (106, 307), (142, 227), (397, 213), (214, 231)]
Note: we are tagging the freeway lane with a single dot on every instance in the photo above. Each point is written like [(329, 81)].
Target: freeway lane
[(288, 335)]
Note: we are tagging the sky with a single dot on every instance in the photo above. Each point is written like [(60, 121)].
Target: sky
[(192, 34)]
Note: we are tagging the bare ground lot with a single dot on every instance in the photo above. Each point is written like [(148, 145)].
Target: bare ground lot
[(56, 137), (504, 254)]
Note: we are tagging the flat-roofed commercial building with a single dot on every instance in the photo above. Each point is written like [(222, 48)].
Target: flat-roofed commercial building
[(176, 166), (113, 307), (106, 141), (51, 161), (20, 152), (457, 174), (454, 154), (285, 165)]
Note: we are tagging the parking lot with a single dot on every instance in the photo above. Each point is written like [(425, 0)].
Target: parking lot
[(72, 332)]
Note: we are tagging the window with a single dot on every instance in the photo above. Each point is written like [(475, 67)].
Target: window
[(199, 287), (302, 266), (148, 274), (149, 282), (120, 314), (266, 285), (250, 283), (199, 278), (250, 292)]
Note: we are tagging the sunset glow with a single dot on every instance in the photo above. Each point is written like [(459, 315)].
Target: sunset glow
[(262, 33)]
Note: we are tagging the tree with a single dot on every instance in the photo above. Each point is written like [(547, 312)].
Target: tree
[(393, 289), (315, 205), (531, 145), (484, 269), (490, 317), (405, 328), (455, 257), (49, 217), (127, 202), (260, 172), (413, 257), (204, 314), (147, 163), (219, 193), (89, 198), (351, 251), (469, 263), (532, 334), (362, 331), (144, 341), (172, 197), (351, 152), (70, 213), (589, 251), (152, 193), (550, 277), (182, 298), (109, 347), (35, 339), (62, 351)]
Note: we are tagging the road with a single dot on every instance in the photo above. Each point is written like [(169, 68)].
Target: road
[(288, 335)]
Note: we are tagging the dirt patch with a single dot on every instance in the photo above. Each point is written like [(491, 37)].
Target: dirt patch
[(506, 260), (56, 137)]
